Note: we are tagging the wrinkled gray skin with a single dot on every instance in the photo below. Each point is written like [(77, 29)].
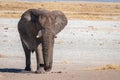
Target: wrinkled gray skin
[(37, 29)]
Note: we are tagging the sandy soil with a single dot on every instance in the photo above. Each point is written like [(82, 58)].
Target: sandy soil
[(60, 72), (76, 10)]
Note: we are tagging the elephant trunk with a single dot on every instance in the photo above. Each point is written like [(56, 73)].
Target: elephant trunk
[(47, 44)]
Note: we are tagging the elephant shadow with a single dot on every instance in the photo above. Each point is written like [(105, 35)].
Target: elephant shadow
[(11, 70)]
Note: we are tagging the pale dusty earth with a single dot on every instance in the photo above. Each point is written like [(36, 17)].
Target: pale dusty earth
[(79, 49)]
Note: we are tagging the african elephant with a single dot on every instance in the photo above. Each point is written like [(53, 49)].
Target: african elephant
[(38, 29)]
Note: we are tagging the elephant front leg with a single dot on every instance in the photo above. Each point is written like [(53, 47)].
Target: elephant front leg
[(40, 61), (27, 57), (28, 62)]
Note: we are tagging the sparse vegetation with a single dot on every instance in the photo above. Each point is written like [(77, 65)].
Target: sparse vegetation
[(79, 10)]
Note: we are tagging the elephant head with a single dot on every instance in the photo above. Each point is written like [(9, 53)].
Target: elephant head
[(41, 27)]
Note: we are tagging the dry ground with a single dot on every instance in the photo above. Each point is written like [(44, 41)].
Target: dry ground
[(79, 10), (10, 67)]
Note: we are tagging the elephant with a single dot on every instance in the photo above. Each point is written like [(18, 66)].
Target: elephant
[(37, 30)]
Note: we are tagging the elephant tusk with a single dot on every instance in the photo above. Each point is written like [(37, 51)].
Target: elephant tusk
[(37, 36)]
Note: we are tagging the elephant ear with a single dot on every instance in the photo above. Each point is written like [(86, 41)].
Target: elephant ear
[(60, 21)]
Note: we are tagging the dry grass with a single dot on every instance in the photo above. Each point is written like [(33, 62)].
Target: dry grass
[(79, 10), (106, 67)]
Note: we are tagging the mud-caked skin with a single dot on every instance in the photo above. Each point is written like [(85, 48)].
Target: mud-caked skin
[(37, 29)]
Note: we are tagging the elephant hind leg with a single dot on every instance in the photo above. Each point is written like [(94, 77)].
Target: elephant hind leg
[(27, 57)]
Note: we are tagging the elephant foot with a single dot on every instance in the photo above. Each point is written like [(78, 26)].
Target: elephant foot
[(40, 71), (27, 69), (48, 69), (24, 71)]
